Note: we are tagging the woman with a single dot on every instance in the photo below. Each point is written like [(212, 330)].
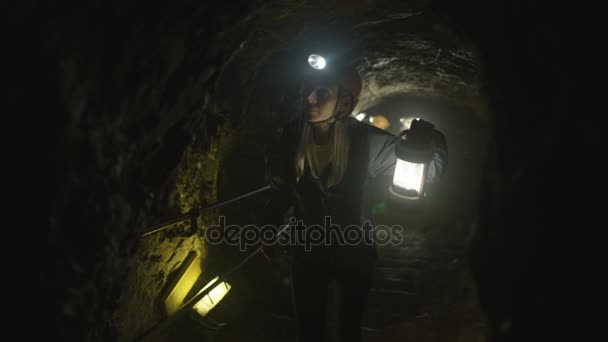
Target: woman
[(324, 166)]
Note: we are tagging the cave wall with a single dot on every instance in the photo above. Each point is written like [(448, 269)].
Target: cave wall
[(121, 94), (528, 286)]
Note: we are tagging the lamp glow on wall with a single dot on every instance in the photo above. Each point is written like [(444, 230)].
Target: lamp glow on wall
[(174, 296), (413, 157), (178, 289)]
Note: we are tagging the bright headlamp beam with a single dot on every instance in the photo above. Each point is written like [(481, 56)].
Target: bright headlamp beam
[(316, 61)]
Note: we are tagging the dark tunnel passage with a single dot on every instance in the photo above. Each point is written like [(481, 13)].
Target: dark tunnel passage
[(142, 112)]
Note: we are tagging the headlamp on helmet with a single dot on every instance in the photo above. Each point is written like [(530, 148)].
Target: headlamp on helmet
[(345, 76), (317, 61)]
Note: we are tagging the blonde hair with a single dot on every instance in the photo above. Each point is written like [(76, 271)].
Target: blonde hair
[(339, 141)]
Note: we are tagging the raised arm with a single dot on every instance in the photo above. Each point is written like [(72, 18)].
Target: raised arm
[(439, 164)]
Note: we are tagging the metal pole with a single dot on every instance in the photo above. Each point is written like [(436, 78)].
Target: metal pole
[(194, 212)]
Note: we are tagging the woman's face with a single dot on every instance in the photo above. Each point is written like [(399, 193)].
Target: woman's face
[(320, 101)]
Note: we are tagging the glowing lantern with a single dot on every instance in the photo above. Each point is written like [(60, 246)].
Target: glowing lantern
[(414, 153), (213, 297)]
